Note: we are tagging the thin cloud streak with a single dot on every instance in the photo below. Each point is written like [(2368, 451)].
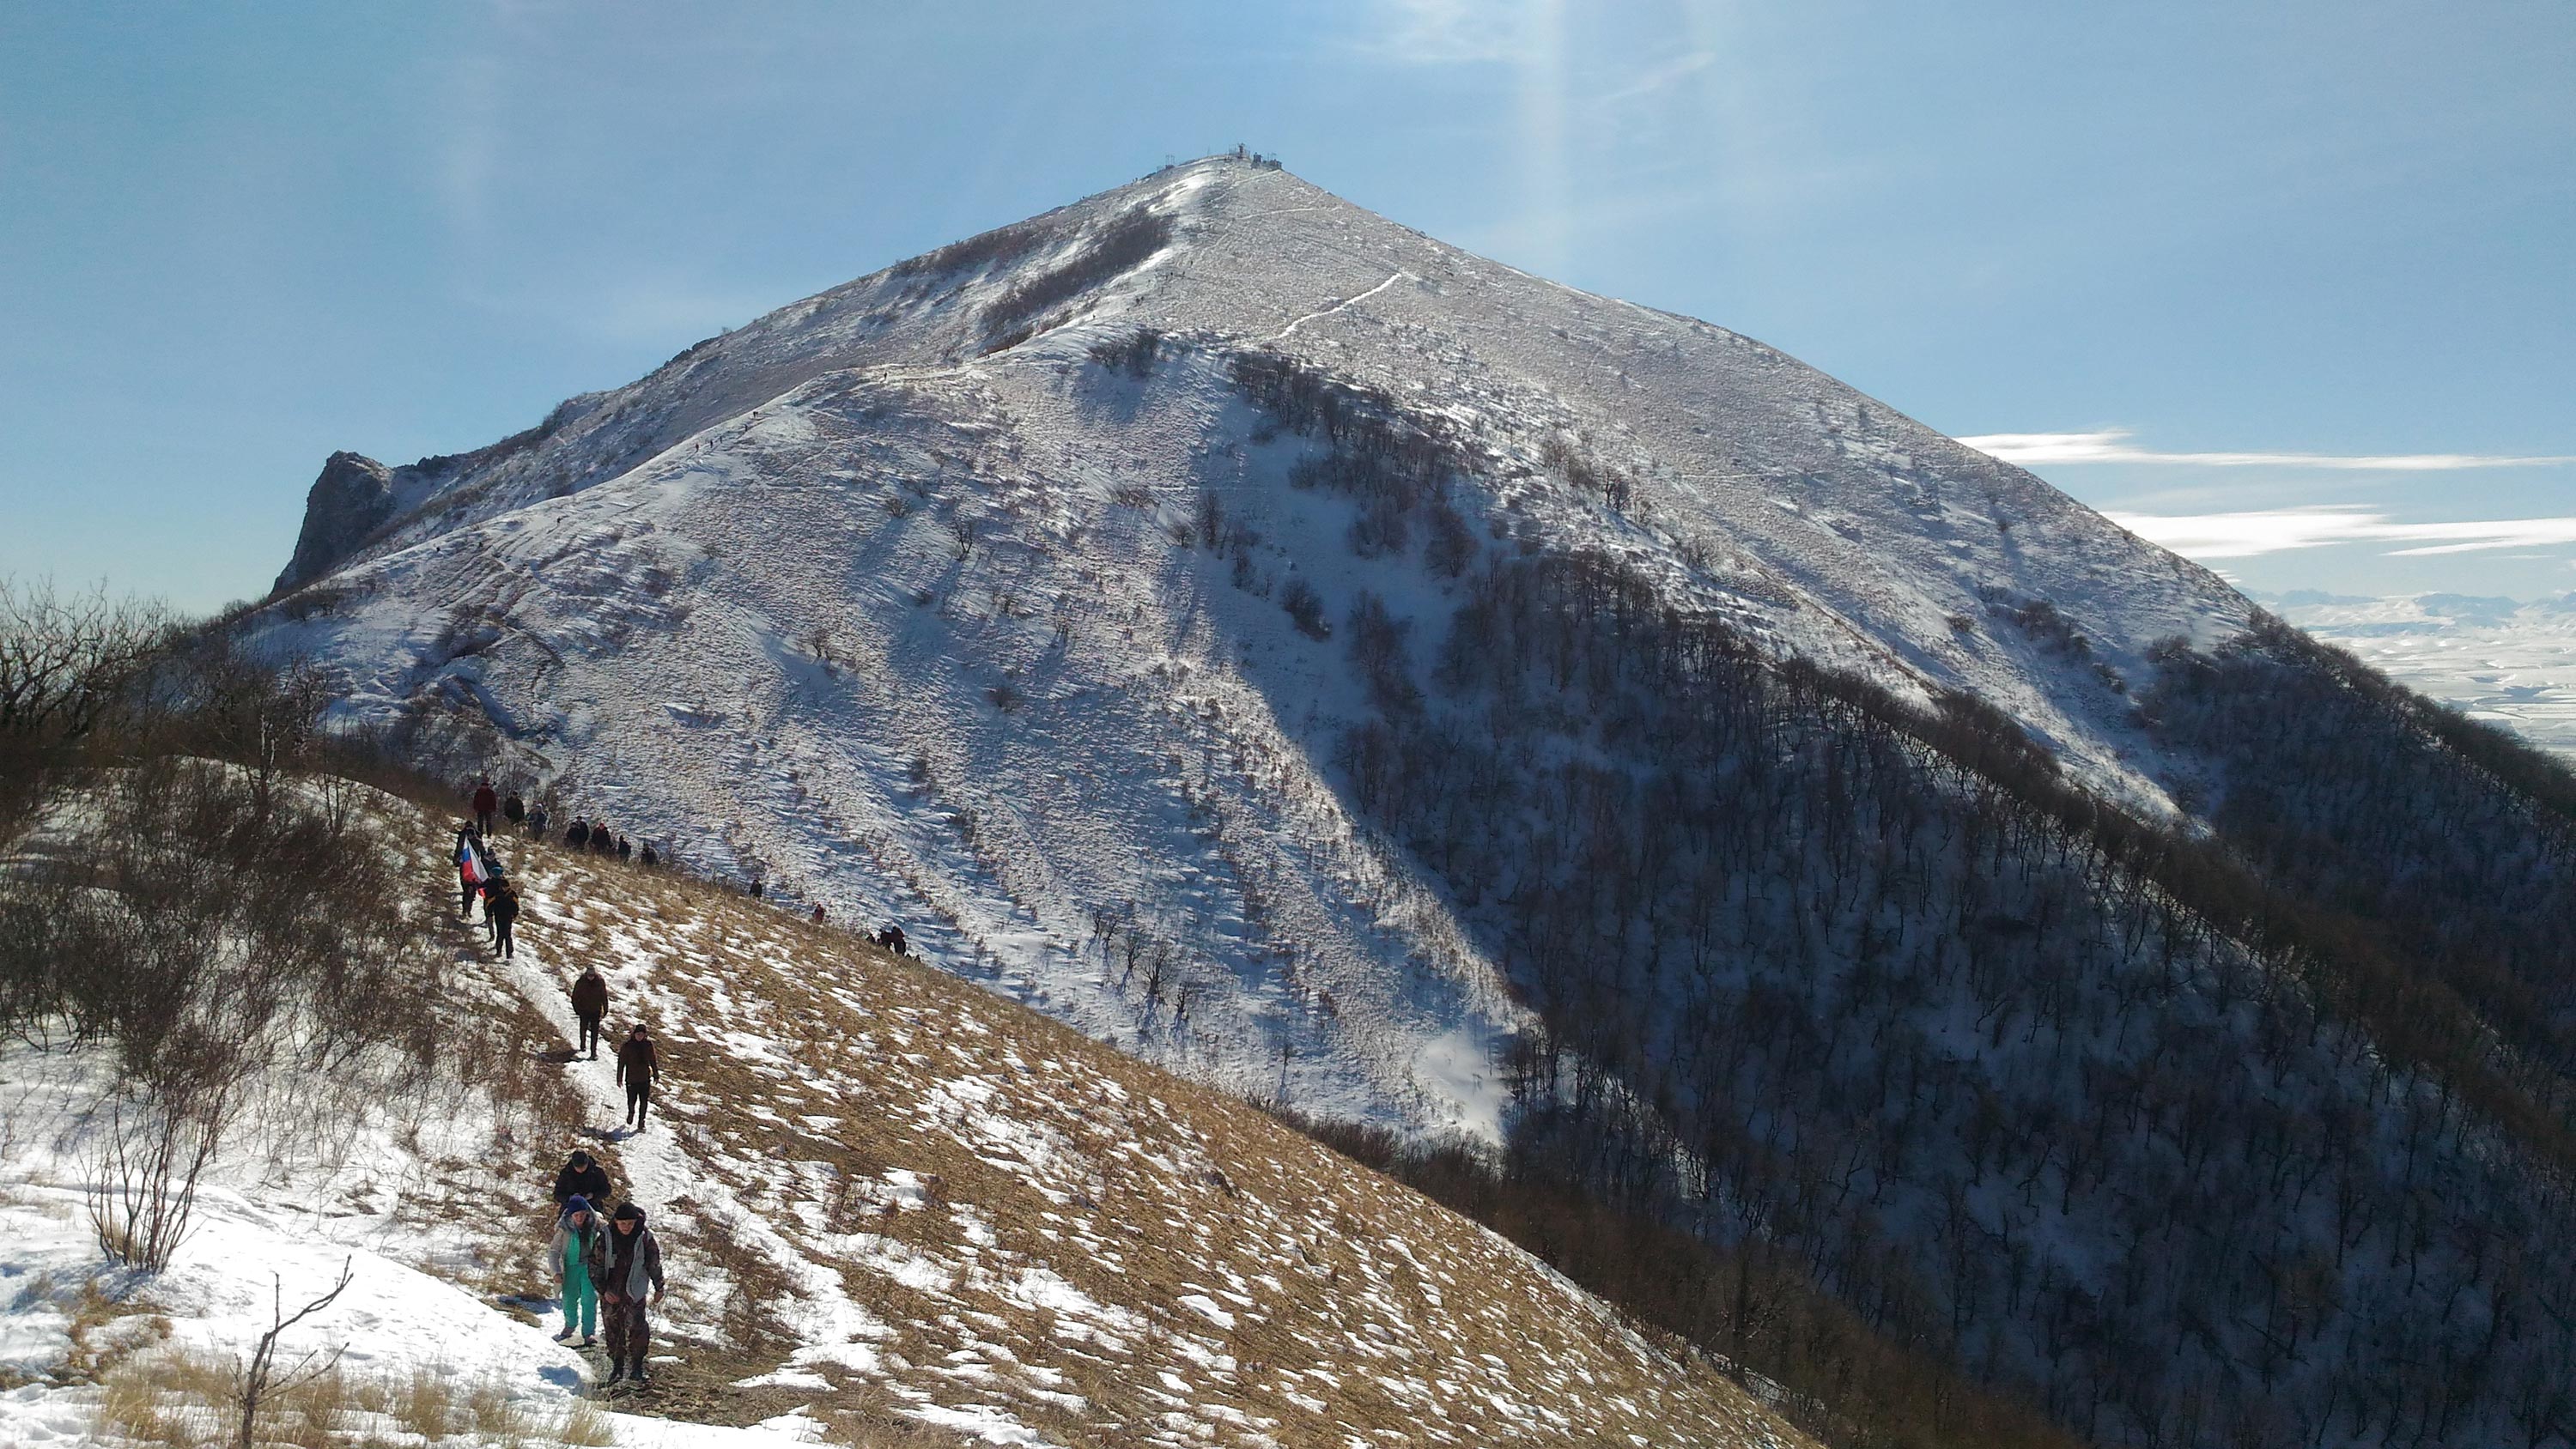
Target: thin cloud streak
[(1452, 32), (2255, 533), (2112, 445)]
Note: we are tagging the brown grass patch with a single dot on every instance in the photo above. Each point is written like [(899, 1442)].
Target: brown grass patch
[(1046, 1158)]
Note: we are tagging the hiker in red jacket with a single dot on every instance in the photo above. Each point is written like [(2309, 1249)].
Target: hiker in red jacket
[(485, 804)]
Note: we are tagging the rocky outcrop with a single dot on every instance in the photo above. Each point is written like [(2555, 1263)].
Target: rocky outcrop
[(351, 500)]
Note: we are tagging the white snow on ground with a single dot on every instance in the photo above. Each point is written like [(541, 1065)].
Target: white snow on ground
[(2500, 660), (934, 635), (887, 1201), (259, 1234)]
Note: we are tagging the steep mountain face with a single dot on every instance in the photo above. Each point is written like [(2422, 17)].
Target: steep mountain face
[(351, 500), (1347, 669), (903, 558)]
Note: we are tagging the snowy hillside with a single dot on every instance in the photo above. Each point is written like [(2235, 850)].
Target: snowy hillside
[(2499, 659), (997, 594), (1340, 668), (893, 1209)]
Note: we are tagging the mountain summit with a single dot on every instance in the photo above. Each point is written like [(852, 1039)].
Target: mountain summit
[(957, 592), (1356, 673)]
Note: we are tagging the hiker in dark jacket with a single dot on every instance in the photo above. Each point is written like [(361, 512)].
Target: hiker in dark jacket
[(485, 802), (636, 1070), (601, 841), (892, 939), (589, 1004), (501, 910), (514, 810), (579, 1252), (581, 1176), (650, 859), (578, 835), (625, 848), (537, 819), (634, 1265)]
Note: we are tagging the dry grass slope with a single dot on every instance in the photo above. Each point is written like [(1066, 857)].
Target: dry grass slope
[(1033, 1228)]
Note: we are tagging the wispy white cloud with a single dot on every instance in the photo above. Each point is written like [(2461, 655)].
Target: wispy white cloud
[(2112, 445), (2254, 533), (1453, 32), (1661, 77)]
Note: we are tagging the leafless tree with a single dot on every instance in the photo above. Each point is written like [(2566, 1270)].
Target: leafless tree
[(261, 1379)]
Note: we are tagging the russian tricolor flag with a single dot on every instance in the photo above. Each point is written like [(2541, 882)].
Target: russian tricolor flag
[(469, 864)]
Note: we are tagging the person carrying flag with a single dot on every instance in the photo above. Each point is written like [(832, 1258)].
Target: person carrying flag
[(470, 872)]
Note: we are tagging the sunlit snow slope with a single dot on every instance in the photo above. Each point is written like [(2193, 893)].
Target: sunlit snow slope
[(903, 600)]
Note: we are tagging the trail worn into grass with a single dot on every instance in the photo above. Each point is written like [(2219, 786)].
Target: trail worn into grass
[(910, 1206)]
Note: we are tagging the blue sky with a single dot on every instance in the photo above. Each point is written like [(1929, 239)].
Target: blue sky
[(233, 239)]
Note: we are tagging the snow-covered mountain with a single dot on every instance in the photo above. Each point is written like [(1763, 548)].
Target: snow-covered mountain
[(962, 596), (2499, 659), (1345, 669)]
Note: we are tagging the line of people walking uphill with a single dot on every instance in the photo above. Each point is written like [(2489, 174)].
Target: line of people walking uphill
[(591, 835), (608, 1270), (637, 1066)]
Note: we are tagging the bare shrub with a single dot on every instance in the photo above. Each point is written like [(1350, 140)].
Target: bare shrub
[(1123, 244), (67, 666), (1305, 608), (243, 923), (142, 1186), (260, 1377), (984, 249), (1380, 528), (1451, 547), (1377, 650), (1133, 354), (1567, 457)]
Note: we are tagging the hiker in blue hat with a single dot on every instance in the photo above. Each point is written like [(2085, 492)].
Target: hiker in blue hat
[(580, 1251)]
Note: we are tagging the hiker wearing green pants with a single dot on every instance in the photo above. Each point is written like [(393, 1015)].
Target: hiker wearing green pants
[(580, 1252)]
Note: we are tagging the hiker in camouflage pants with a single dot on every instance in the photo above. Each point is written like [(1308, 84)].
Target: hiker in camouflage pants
[(634, 1265)]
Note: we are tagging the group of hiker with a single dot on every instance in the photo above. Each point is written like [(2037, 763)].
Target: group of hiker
[(594, 836), (637, 1066), (480, 876), (608, 1263), (610, 1270)]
